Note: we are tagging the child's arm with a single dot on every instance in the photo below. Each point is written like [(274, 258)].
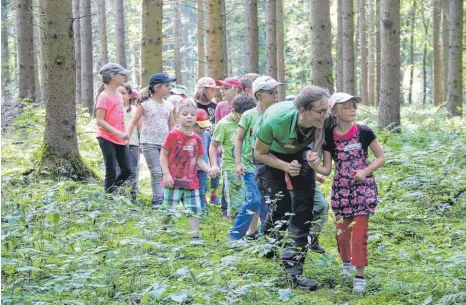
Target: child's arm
[(361, 174), (135, 120), (171, 120), (238, 151), (213, 148), (100, 115), (205, 167), (313, 160), (167, 178)]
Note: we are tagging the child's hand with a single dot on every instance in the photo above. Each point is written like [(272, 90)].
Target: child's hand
[(122, 135), (212, 174), (215, 170), (313, 159), (293, 168), (168, 181), (240, 171), (320, 178), (359, 175)]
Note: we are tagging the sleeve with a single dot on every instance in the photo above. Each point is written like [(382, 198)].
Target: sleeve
[(367, 136), (102, 102), (329, 144), (219, 133), (264, 130), (169, 141), (217, 112), (200, 147)]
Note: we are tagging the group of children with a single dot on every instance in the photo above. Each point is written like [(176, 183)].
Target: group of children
[(184, 141)]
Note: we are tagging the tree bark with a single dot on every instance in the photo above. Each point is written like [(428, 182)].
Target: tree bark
[(271, 38), (103, 32), (40, 35), (455, 58), (321, 45), (177, 43), (120, 33), (60, 152), (137, 61), (252, 37), (411, 53), (224, 38), (5, 48), (370, 53), (348, 47), (87, 74), (77, 48), (25, 49), (339, 46), (363, 51), (377, 54), (389, 109), (214, 39), (445, 45), (438, 67), (201, 59), (424, 55), (152, 38), (281, 51)]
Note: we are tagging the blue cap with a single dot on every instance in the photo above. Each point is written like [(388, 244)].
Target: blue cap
[(160, 78)]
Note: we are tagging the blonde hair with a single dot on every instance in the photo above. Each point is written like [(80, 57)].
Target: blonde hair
[(336, 111), (187, 102)]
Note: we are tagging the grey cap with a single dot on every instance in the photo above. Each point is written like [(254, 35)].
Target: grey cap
[(111, 69), (342, 97), (264, 83)]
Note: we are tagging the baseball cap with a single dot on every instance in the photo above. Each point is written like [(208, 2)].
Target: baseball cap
[(230, 81), (342, 97), (206, 82), (111, 69), (202, 118), (160, 78), (264, 83), (179, 89)]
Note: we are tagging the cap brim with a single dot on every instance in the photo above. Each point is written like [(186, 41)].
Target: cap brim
[(124, 72), (271, 85), (170, 80), (204, 124), (178, 91)]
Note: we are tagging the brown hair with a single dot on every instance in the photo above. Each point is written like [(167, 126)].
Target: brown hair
[(147, 92), (247, 80), (201, 95)]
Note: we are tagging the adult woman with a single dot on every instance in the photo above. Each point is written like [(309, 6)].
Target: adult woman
[(283, 135)]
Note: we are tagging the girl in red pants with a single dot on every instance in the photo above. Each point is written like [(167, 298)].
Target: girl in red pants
[(354, 191)]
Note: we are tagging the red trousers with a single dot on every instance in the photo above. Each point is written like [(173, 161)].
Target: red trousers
[(352, 239)]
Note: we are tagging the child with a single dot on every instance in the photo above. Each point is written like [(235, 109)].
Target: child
[(202, 123), (264, 89), (130, 110), (230, 88), (354, 190), (181, 151), (179, 90), (225, 135), (158, 121), (246, 82), (111, 126)]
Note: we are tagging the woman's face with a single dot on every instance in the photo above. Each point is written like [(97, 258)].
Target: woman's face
[(315, 116)]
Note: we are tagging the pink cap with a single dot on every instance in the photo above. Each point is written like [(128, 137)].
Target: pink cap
[(206, 82), (230, 81), (134, 94)]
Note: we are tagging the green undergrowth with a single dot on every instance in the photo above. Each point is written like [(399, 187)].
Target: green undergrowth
[(64, 242)]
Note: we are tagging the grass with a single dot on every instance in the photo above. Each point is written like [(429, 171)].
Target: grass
[(64, 242)]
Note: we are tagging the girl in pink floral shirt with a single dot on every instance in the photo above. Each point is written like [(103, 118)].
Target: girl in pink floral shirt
[(354, 190)]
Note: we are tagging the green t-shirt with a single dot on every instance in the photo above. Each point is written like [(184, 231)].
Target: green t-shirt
[(277, 128), (225, 133), (247, 122)]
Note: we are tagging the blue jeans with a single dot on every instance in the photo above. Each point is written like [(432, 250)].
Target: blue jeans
[(248, 208), (202, 188)]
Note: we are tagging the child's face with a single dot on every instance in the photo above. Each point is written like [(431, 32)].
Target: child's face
[(345, 111), (210, 93), (163, 90), (119, 79), (198, 129), (125, 93), (187, 116), (228, 93), (268, 97)]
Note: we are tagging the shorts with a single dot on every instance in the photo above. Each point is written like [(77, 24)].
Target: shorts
[(191, 201)]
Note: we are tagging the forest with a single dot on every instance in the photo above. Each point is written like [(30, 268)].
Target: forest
[(66, 240)]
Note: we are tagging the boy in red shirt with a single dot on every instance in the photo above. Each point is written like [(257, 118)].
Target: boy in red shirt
[(182, 150)]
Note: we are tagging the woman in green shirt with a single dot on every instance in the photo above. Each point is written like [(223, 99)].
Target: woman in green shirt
[(283, 135)]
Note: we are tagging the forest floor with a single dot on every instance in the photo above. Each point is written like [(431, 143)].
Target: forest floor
[(64, 242)]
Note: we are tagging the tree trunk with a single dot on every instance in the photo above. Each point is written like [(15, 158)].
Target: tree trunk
[(60, 154), (424, 55), (103, 32), (5, 49), (339, 46), (320, 44), (271, 38), (377, 54), (348, 47), (224, 38), (445, 45), (25, 49), (87, 73), (201, 59), (411, 53), (120, 33), (152, 38), (252, 37), (455, 61), (281, 51), (363, 51), (389, 109), (177, 43), (137, 62), (77, 48), (41, 33), (370, 53), (214, 39), (438, 67)]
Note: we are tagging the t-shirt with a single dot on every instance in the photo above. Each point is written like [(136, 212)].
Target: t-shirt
[(225, 133), (222, 110), (247, 122), (184, 151), (112, 103), (155, 122), (129, 115), (277, 127), (210, 109)]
